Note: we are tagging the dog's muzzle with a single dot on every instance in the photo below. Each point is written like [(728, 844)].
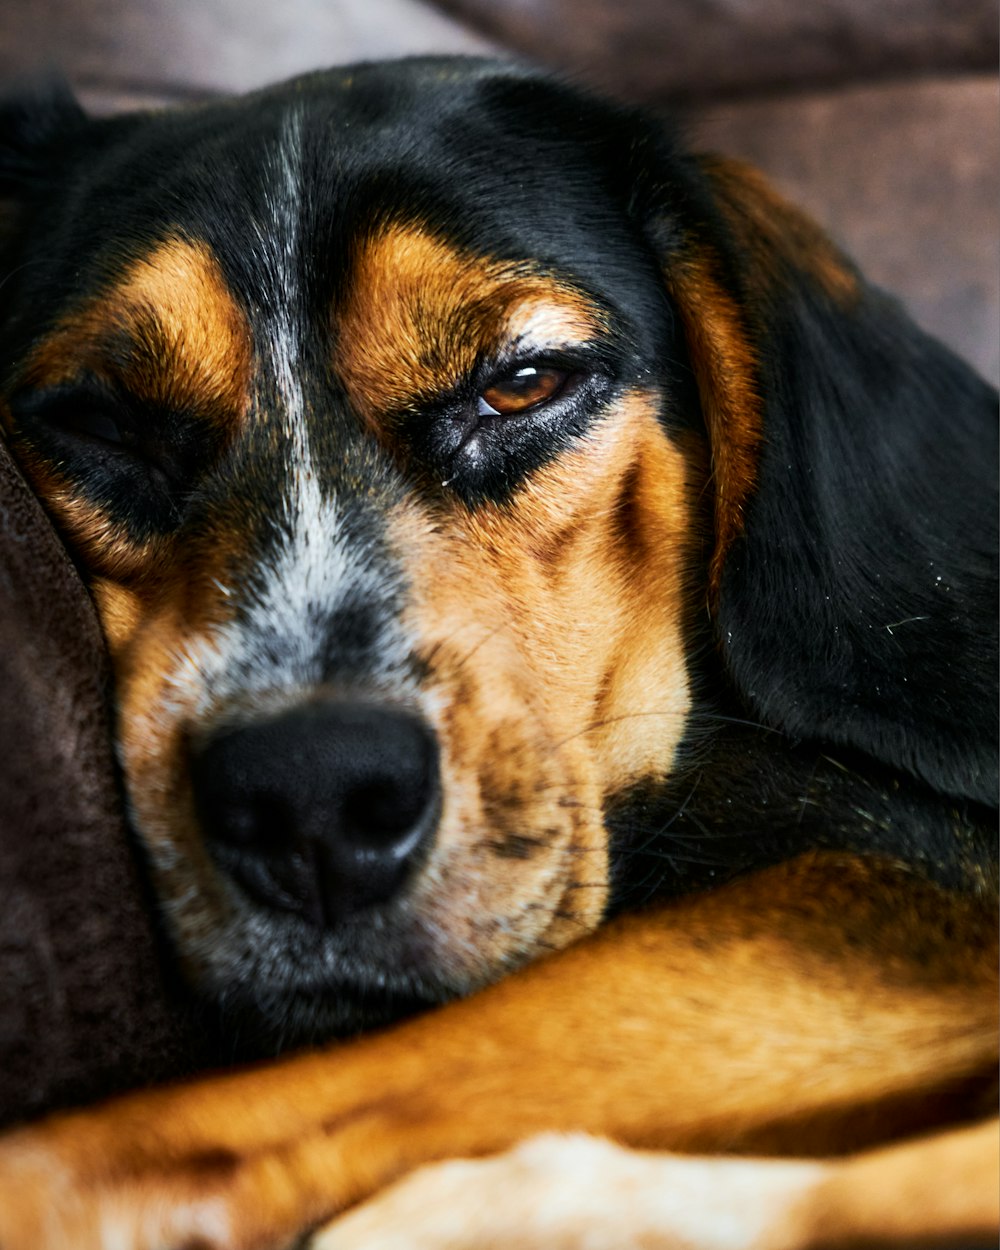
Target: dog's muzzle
[(323, 810)]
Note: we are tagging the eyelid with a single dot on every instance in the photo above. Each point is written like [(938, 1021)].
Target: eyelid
[(72, 407), (99, 425), (80, 390)]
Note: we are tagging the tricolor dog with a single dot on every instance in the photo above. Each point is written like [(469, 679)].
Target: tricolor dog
[(552, 603)]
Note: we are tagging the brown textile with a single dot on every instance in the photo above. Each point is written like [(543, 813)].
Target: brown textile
[(84, 1007), (671, 50)]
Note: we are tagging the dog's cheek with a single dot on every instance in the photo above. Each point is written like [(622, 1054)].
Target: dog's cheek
[(551, 636), (158, 683), (120, 611), (520, 861), (152, 709), (597, 555), (530, 840), (644, 700)]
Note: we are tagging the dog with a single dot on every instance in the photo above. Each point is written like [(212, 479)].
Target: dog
[(551, 598)]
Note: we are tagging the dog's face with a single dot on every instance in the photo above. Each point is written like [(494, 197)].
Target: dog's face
[(355, 403), (366, 404)]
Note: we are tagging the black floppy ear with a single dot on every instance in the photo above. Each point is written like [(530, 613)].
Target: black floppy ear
[(39, 126), (855, 468), (33, 121)]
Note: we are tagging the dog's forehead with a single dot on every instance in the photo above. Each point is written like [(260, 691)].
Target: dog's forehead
[(479, 156), (481, 153), (294, 271), (383, 200)]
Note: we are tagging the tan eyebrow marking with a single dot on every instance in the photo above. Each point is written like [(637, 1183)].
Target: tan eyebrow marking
[(725, 367), (773, 236), (419, 313), (176, 333)]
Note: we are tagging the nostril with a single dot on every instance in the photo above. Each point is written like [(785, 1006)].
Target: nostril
[(376, 815), (389, 784), (323, 809)]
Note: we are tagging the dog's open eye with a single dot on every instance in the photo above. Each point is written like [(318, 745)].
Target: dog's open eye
[(521, 389), (509, 416)]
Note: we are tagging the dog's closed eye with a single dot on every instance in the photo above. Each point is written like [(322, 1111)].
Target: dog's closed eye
[(113, 460), (95, 426), (80, 416)]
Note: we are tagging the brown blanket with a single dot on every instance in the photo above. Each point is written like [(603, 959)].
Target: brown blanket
[(86, 1004)]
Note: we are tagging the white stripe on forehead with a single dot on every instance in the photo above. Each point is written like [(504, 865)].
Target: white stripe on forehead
[(280, 240), (310, 568)]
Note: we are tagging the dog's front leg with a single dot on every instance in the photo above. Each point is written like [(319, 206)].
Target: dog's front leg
[(812, 1008), (564, 1191)]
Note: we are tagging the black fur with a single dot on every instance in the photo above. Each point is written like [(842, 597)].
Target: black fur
[(856, 631), (859, 608)]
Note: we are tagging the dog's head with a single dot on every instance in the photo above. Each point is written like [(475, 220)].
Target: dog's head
[(424, 431)]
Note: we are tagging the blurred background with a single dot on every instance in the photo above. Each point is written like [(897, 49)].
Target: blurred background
[(880, 117)]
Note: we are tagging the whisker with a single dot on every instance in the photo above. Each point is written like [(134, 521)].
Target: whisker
[(734, 720), (604, 722)]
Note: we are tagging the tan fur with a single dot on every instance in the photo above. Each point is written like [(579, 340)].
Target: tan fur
[(188, 342), (725, 369), (419, 312), (793, 1015), (156, 718), (776, 238)]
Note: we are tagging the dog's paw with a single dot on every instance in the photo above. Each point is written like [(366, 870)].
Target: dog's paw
[(252, 1161), (57, 1190), (39, 1202), (567, 1192)]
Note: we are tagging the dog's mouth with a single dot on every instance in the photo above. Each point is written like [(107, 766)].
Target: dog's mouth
[(332, 864), (281, 969), (284, 977), (307, 986)]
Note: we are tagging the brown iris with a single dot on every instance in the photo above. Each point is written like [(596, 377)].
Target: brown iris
[(522, 389)]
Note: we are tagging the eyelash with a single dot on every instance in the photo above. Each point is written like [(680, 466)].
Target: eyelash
[(92, 423), (457, 435)]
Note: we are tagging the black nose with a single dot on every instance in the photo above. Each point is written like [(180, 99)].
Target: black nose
[(322, 810)]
